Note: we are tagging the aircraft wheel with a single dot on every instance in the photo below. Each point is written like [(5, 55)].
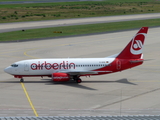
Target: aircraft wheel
[(21, 80), (78, 80)]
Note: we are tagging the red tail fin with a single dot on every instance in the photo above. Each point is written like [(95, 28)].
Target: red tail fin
[(134, 48)]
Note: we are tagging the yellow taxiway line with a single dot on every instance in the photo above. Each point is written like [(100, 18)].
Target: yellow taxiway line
[(29, 100), (25, 53)]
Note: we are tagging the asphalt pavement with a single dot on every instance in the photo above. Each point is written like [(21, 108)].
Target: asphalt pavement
[(6, 27)]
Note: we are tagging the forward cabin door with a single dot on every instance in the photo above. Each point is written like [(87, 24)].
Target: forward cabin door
[(26, 67)]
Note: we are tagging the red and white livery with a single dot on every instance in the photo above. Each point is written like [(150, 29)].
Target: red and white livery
[(74, 68)]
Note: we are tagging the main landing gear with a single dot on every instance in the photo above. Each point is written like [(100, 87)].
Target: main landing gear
[(77, 79), (21, 80)]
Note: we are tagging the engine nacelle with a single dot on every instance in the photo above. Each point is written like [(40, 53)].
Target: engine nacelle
[(60, 77)]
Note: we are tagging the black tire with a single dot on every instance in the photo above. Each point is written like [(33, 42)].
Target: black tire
[(21, 80), (78, 80)]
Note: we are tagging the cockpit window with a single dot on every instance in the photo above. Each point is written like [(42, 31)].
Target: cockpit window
[(14, 65)]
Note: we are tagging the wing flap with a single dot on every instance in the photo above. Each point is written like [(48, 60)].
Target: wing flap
[(83, 72)]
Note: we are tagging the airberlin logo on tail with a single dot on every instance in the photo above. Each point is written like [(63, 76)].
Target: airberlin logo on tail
[(49, 66), (137, 44)]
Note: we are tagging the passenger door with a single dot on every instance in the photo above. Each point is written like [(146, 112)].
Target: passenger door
[(118, 62), (26, 67)]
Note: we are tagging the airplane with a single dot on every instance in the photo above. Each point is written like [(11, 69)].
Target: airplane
[(63, 70)]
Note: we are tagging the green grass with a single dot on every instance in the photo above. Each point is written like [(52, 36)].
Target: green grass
[(16, 0), (76, 30), (97, 0), (116, 1), (66, 10)]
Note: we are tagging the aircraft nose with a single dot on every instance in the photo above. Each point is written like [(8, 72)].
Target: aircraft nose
[(7, 70)]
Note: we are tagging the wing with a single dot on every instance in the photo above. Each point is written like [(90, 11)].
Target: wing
[(84, 72)]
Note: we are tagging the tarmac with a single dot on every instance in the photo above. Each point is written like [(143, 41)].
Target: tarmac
[(15, 26), (131, 92)]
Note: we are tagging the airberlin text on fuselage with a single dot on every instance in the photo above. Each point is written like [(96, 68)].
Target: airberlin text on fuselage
[(49, 66)]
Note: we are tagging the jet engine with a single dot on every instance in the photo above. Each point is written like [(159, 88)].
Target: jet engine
[(60, 77)]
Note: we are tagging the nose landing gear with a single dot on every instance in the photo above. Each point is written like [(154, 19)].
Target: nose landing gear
[(21, 80), (18, 76)]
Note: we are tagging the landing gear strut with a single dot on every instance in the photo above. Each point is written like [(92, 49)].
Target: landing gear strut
[(21, 80), (77, 79)]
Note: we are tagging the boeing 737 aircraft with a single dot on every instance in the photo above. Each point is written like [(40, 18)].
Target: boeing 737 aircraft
[(73, 68)]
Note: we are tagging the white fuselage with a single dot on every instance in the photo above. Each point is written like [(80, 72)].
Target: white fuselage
[(48, 66)]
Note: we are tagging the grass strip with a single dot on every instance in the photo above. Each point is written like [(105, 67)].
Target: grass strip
[(18, 0), (76, 30), (66, 10), (112, 1)]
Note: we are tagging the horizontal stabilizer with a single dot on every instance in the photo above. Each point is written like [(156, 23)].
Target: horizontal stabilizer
[(136, 61), (140, 60)]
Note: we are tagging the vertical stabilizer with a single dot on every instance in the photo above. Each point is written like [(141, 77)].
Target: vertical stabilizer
[(134, 48)]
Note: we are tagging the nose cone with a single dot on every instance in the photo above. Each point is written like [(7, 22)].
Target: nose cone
[(8, 70)]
